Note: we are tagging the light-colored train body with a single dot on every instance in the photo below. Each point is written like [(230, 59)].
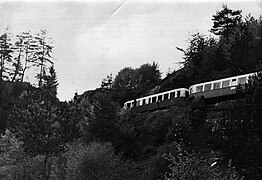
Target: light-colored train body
[(220, 87), (181, 92), (211, 89)]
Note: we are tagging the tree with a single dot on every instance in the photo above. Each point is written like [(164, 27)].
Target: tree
[(102, 124), (50, 81), (28, 50), (126, 79), (225, 24), (199, 64), (42, 54), (148, 75), (5, 56), (107, 82), (225, 21), (125, 85), (244, 57), (25, 47), (17, 64), (131, 83), (44, 124)]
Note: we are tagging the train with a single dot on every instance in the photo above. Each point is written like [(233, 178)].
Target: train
[(211, 89)]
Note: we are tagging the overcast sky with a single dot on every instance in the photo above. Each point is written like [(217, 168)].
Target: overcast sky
[(96, 38)]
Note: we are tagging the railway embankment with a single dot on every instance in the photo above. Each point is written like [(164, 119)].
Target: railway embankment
[(232, 128)]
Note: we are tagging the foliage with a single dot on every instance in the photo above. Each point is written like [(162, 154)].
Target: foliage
[(107, 82), (15, 163), (98, 161), (101, 119), (130, 83), (186, 165), (141, 134), (44, 124), (148, 75), (235, 51), (50, 81), (198, 58), (236, 128), (11, 151), (28, 51), (9, 93), (225, 21), (43, 54)]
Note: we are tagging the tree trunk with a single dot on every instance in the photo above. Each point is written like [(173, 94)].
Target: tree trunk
[(42, 67), (25, 66), (17, 66), (46, 173)]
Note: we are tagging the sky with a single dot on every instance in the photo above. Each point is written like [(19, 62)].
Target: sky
[(95, 38)]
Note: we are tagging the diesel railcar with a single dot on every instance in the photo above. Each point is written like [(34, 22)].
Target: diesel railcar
[(221, 87), (210, 89), (155, 98)]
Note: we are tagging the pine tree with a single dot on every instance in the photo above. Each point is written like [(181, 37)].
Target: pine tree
[(107, 82), (50, 81), (225, 21), (41, 54)]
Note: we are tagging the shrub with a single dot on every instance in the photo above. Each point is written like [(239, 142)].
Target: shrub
[(98, 161), (185, 165)]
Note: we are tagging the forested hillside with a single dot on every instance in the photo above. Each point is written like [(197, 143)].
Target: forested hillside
[(233, 49), (93, 137)]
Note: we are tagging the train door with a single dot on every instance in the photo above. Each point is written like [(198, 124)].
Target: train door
[(234, 82)]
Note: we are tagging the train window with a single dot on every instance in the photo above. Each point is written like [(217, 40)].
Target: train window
[(178, 94), (172, 95), (199, 88), (207, 87), (159, 98), (225, 84), (132, 104), (217, 85), (242, 80), (138, 103), (144, 101), (128, 105), (153, 99), (233, 80), (165, 96)]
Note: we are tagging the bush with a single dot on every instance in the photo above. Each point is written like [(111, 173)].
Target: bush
[(185, 165), (98, 161)]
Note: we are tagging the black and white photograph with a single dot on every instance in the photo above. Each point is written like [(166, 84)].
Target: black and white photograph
[(130, 90)]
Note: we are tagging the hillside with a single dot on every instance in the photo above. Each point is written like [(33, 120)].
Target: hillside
[(94, 137)]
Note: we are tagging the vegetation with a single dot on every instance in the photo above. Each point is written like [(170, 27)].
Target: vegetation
[(92, 137), (130, 83)]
